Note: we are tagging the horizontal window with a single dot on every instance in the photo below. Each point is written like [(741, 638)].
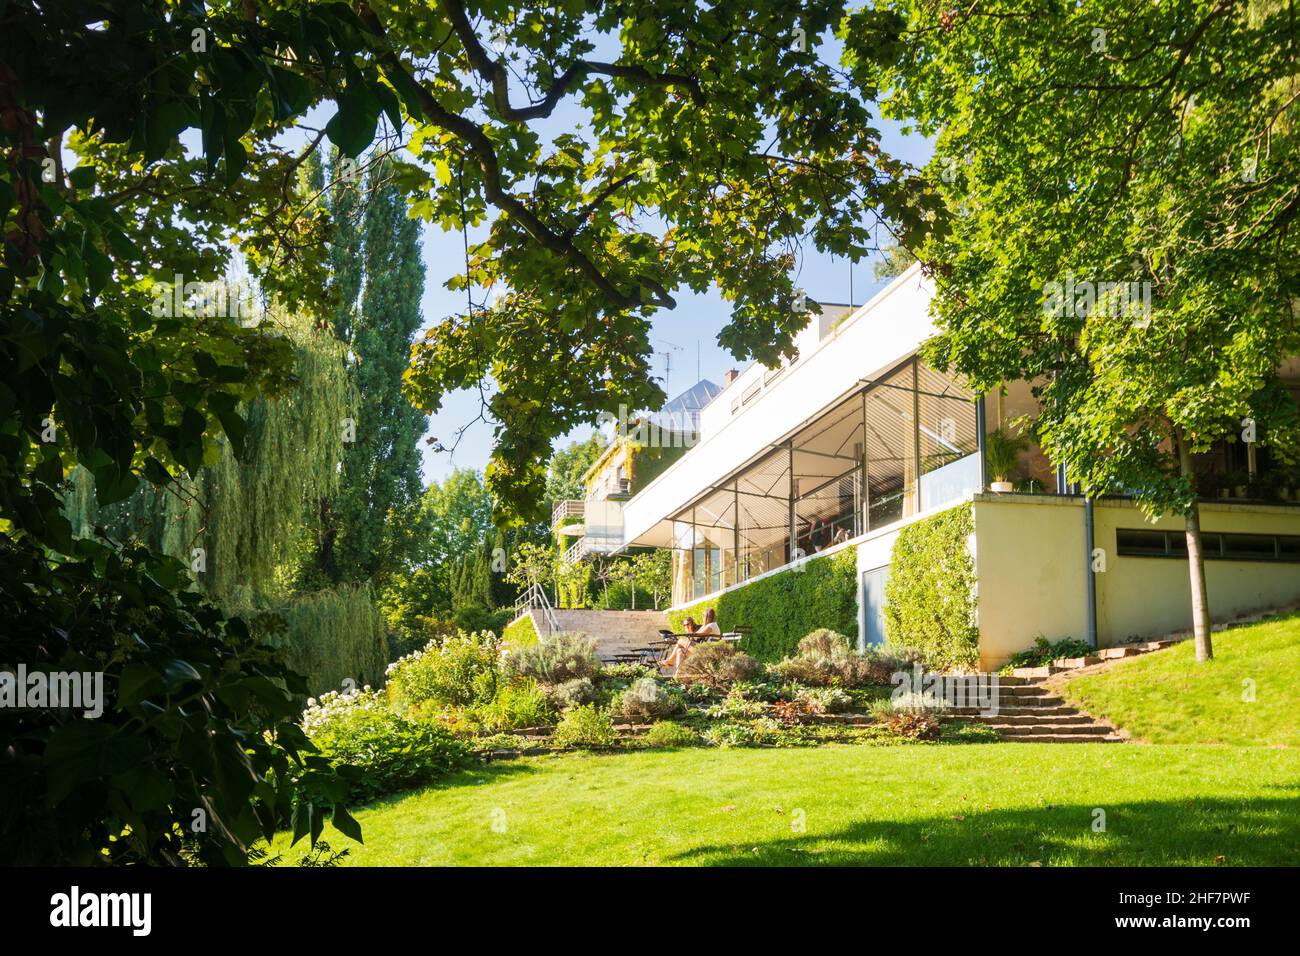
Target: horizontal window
[(1145, 543)]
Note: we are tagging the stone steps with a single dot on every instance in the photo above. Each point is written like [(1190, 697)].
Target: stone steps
[(1028, 712)]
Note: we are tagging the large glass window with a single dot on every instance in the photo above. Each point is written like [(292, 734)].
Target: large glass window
[(949, 443), (827, 459), (891, 452)]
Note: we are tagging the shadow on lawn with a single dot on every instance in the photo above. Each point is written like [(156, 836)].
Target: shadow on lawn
[(1251, 831)]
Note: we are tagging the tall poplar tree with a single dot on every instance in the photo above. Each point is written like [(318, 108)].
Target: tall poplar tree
[(377, 280)]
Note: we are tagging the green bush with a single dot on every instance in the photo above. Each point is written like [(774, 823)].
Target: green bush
[(392, 753), (575, 693), (765, 732), (913, 725), (521, 703), (1044, 652), (666, 733), (459, 671), (586, 726), (782, 608), (825, 658), (718, 665), (823, 700), (930, 594), (649, 699), (564, 657)]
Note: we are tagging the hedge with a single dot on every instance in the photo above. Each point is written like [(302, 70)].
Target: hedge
[(782, 608), (930, 593), (520, 632)]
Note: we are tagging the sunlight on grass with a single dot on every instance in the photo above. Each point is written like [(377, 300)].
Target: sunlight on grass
[(1167, 697), (1009, 804)]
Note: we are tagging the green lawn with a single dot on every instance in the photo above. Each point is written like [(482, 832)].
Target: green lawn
[(1167, 697), (1008, 804)]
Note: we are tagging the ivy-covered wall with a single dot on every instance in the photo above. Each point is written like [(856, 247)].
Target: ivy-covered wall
[(785, 607), (930, 594)]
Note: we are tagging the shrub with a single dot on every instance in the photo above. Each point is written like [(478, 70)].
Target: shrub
[(391, 752), (913, 725), (782, 608), (1044, 652), (648, 699), (666, 733), (735, 706), (575, 693), (585, 726), (823, 700), (563, 657), (911, 702), (930, 595), (825, 658), (459, 671), (626, 672), (758, 689), (757, 733), (717, 664), (521, 703)]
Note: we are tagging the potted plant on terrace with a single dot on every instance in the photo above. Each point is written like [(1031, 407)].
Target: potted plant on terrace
[(1002, 456)]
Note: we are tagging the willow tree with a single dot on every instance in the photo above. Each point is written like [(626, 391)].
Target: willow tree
[(1091, 150)]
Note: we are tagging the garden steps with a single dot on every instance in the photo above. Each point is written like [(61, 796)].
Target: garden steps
[(615, 632), (1029, 712)]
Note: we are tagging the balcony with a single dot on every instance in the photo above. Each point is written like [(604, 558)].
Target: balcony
[(565, 509)]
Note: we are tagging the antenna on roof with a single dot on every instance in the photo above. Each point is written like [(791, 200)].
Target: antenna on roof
[(668, 360)]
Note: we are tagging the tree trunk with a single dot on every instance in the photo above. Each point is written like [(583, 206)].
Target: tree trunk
[(1196, 563)]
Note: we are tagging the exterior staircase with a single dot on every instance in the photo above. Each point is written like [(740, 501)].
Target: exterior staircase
[(1027, 712), (1031, 711), (616, 632)]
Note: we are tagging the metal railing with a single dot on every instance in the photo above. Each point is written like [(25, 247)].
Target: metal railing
[(567, 508), (535, 599)]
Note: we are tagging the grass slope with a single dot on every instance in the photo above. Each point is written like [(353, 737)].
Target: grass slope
[(1009, 804), (1167, 697)]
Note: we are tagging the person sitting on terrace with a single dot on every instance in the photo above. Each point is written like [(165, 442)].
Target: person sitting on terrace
[(682, 648), (710, 626)]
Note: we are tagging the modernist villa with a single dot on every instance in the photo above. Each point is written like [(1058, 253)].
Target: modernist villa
[(856, 438)]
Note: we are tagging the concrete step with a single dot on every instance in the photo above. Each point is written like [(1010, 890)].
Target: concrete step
[(1065, 739), (1014, 711), (1051, 729), (1040, 717)]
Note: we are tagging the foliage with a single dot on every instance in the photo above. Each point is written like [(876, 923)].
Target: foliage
[(782, 608), (626, 673), (825, 658), (586, 726), (531, 564), (717, 664), (930, 594), (823, 700), (392, 753), (667, 733), (764, 732), (1147, 288), (575, 693), (329, 636), (566, 467), (562, 657), (1002, 452), (196, 715), (378, 279), (913, 725), (1044, 652), (459, 670), (649, 699), (519, 703), (736, 706), (654, 572), (521, 632)]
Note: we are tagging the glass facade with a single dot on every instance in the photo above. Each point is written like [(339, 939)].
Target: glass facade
[(903, 443)]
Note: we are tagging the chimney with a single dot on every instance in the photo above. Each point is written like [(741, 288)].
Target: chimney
[(730, 377)]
